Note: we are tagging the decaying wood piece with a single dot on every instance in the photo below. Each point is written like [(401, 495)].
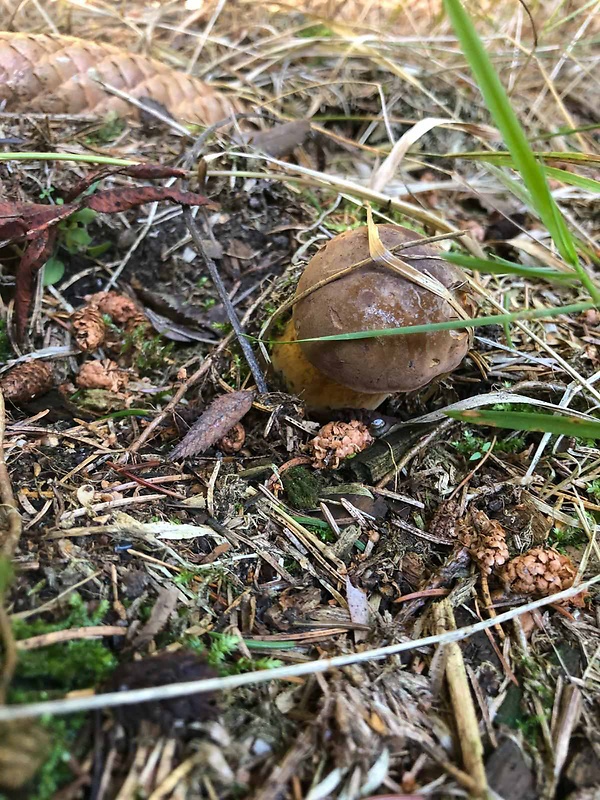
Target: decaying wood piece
[(53, 74), (462, 702)]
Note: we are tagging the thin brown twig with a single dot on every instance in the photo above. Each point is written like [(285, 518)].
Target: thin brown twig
[(9, 540), (245, 345)]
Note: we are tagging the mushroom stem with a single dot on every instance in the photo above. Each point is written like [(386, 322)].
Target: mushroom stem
[(318, 392)]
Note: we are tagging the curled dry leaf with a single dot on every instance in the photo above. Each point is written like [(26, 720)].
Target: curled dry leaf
[(233, 441), (486, 540), (27, 381), (541, 571), (221, 415), (102, 375), (337, 441), (89, 328)]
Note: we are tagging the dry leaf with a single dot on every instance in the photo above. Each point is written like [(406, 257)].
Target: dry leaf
[(389, 167), (218, 419)]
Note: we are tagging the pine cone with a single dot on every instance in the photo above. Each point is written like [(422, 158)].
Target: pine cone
[(26, 381), (121, 309), (338, 440), (102, 375), (541, 571), (486, 541), (233, 441), (89, 328), (178, 667)]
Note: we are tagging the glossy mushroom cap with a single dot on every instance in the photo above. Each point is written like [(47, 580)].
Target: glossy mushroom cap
[(374, 297)]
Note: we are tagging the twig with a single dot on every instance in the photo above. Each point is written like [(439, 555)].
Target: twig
[(255, 369), (9, 540), (421, 444)]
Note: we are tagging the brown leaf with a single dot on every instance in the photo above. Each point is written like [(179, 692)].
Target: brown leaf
[(221, 415), (144, 171), (112, 200), (281, 140)]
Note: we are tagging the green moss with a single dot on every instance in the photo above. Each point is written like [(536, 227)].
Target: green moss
[(148, 354), (49, 672), (474, 447), (561, 538), (302, 487)]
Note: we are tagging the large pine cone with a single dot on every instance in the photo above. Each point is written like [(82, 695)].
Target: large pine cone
[(541, 571)]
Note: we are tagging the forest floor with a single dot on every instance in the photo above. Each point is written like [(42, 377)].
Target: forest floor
[(250, 560)]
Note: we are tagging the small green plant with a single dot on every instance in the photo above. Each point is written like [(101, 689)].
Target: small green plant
[(594, 488), (111, 128), (561, 538), (74, 237), (475, 447), (302, 487), (52, 671), (149, 354), (219, 655)]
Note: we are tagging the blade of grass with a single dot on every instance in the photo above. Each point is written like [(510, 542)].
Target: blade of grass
[(83, 158), (457, 324), (571, 178), (513, 134), (500, 266), (531, 421), (499, 157)]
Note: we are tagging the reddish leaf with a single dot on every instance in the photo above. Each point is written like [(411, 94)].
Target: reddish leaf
[(21, 220), (221, 415), (38, 252), (144, 171), (113, 200)]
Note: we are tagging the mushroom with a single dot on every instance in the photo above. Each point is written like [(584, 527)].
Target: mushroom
[(361, 373)]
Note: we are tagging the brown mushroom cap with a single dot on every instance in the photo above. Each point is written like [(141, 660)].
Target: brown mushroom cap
[(372, 297)]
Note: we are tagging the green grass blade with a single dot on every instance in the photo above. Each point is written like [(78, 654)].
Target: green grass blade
[(513, 134), (531, 421), (572, 179), (500, 157), (500, 266), (455, 324)]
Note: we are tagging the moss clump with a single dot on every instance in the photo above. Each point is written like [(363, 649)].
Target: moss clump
[(302, 487), (48, 672)]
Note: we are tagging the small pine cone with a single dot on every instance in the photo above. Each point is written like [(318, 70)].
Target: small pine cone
[(26, 381), (121, 309), (233, 441), (102, 375), (486, 541), (140, 320), (89, 328), (541, 571), (338, 440)]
